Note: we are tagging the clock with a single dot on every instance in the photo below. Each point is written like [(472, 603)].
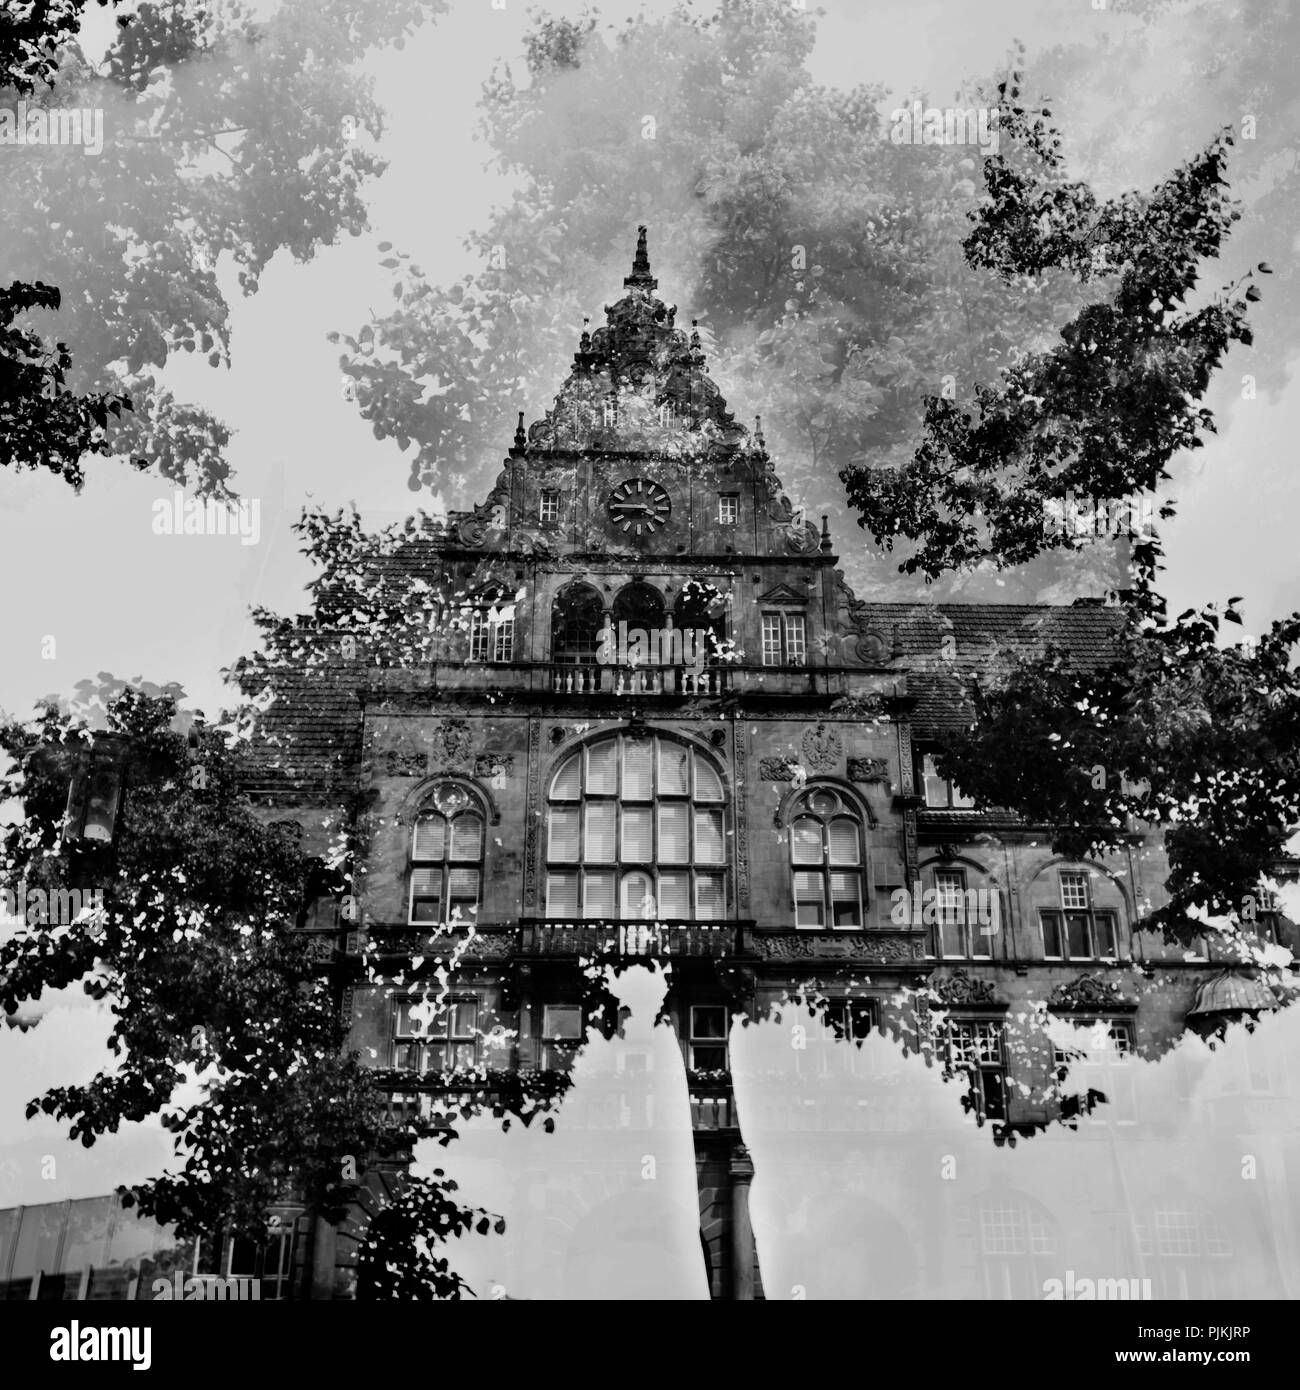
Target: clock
[(638, 506)]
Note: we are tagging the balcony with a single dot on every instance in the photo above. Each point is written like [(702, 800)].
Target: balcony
[(542, 937), (570, 679)]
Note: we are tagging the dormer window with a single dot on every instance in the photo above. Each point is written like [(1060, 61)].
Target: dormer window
[(940, 793)]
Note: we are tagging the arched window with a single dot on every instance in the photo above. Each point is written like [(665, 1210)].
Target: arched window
[(447, 857), (635, 830), (576, 618), (827, 860), (639, 605)]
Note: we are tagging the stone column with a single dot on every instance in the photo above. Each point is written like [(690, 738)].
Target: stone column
[(741, 1172)]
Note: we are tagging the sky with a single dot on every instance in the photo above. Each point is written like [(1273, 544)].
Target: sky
[(115, 597)]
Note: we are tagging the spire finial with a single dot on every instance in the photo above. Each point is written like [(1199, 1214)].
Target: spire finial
[(758, 432), (641, 264), (520, 439)]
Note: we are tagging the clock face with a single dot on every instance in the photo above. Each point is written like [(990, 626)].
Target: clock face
[(638, 507)]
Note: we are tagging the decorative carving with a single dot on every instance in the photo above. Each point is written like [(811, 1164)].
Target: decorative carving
[(868, 770), (822, 748), (454, 741), (742, 830), (481, 946), (486, 764), (869, 946), (870, 649), (399, 764), (533, 816), (345, 1005), (959, 988), (947, 852), (801, 538), (778, 769), (491, 515), (1087, 992)]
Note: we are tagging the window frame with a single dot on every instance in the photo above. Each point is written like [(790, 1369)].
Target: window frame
[(826, 867), (1097, 923), (955, 799), (691, 875), (447, 1035), (492, 631), (729, 502), (787, 624), (979, 1068), (555, 1046), (448, 862), (548, 507), (718, 1042), (1101, 1062)]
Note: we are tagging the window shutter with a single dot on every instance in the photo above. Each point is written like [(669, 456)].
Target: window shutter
[(707, 785), (430, 837), (708, 837), (467, 837), (602, 770), (710, 900), (806, 841), (638, 770), (846, 900), (599, 895), (562, 895), (844, 842), (567, 785), (563, 843), (674, 895), (638, 833), (673, 836), (674, 770), (600, 833)]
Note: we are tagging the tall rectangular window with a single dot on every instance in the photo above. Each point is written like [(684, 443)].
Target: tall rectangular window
[(728, 508), (561, 1035), (492, 635), (550, 508), (784, 639), (708, 1039), (976, 1048)]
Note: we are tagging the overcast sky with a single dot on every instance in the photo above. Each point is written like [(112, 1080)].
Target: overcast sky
[(88, 571)]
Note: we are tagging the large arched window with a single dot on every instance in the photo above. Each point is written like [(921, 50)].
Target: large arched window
[(826, 858), (447, 857), (639, 605), (576, 619), (635, 830)]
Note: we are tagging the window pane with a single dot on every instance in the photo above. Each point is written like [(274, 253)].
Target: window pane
[(674, 770), (675, 895), (845, 842), (564, 834), (1104, 922), (771, 639), (463, 889), (1076, 925), (950, 891), (708, 837), (480, 636), (503, 644), (707, 785), (464, 1018), (708, 1021), (600, 833), (951, 938), (674, 846), (638, 832), (602, 769), (982, 932), (846, 899), (430, 836), (562, 895), (562, 1021), (960, 801), (638, 770), (1074, 891), (1052, 934), (936, 789), (467, 837), (567, 785), (810, 908), (426, 895), (806, 841), (710, 899), (599, 895), (794, 639), (638, 896)]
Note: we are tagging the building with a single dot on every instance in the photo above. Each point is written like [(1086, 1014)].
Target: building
[(655, 723)]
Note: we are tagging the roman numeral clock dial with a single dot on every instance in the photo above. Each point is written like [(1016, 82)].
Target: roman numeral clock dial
[(638, 506)]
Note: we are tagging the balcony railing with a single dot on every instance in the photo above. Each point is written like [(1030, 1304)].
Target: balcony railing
[(569, 679), (542, 937)]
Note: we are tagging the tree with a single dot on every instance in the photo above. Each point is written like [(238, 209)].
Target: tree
[(822, 259), (209, 985), (224, 135)]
